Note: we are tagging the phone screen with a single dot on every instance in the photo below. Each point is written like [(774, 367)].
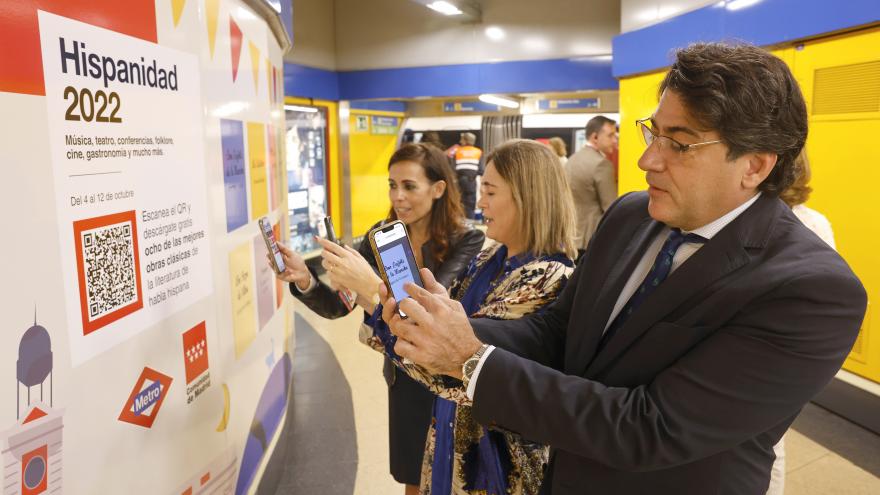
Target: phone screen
[(396, 256), (269, 237)]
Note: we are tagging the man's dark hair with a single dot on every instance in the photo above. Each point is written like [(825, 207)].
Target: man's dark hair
[(749, 97), (597, 123)]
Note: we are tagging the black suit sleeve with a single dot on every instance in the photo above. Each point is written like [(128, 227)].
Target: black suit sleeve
[(324, 300), (460, 254), (742, 380)]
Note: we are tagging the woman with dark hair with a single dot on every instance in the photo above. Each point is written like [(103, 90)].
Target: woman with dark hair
[(424, 195)]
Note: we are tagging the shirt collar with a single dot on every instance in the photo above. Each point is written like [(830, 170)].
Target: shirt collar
[(597, 150), (710, 229)]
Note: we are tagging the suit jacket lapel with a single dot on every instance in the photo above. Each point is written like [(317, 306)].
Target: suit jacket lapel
[(723, 254), (707, 265), (583, 346)]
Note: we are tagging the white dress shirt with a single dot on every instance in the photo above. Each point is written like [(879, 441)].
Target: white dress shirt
[(641, 270)]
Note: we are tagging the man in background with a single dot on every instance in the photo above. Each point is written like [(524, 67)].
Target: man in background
[(467, 161), (591, 178)]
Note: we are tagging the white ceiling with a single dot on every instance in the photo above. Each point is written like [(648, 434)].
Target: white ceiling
[(370, 34), (636, 14)]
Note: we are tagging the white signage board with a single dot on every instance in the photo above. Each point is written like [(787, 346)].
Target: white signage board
[(126, 139)]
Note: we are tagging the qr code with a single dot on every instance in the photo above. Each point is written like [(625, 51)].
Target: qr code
[(107, 262)]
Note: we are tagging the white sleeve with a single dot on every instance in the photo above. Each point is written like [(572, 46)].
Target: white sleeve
[(312, 284), (472, 385)]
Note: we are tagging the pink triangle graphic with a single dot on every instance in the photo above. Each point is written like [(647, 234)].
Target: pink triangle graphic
[(235, 42)]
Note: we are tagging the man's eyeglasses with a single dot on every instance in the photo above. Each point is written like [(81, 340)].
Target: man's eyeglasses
[(666, 142)]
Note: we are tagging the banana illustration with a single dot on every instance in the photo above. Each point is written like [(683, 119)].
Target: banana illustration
[(225, 419)]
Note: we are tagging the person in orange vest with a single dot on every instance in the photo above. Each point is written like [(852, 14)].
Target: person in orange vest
[(468, 165)]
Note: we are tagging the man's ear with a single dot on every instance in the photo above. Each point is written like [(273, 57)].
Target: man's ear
[(438, 188), (759, 166)]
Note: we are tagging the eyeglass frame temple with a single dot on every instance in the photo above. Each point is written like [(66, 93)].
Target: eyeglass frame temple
[(684, 147)]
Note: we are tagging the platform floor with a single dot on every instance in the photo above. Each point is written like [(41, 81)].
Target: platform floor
[(335, 439)]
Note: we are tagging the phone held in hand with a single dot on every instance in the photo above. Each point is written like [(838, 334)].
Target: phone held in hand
[(394, 255), (271, 245), (331, 233), (344, 296)]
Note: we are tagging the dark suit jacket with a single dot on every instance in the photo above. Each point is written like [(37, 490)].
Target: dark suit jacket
[(691, 394)]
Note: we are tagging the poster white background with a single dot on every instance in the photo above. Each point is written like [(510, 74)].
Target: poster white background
[(92, 379), (166, 191)]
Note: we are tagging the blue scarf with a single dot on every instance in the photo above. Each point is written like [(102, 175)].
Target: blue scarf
[(488, 467)]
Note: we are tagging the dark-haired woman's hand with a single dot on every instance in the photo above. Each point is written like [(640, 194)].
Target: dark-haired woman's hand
[(347, 269), (296, 271)]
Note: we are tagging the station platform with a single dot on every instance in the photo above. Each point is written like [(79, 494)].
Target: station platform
[(335, 438)]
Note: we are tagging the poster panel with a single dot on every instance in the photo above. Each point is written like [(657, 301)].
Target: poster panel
[(131, 209)]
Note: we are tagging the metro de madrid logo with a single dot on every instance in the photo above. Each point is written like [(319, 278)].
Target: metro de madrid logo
[(146, 398)]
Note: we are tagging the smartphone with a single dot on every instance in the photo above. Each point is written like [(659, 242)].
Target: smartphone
[(346, 297), (394, 255), (328, 228), (271, 245)]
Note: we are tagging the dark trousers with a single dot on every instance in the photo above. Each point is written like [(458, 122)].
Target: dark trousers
[(467, 184)]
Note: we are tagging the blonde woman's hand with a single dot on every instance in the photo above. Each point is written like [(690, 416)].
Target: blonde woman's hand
[(347, 269), (295, 270)]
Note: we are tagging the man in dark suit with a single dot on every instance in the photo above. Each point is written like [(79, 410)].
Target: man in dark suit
[(702, 318)]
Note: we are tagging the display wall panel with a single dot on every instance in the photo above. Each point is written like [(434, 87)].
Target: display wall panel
[(143, 330), (841, 155), (372, 141)]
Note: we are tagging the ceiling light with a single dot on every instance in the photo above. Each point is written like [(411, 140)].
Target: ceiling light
[(497, 100), (444, 8), (740, 4), (495, 33), (297, 108)]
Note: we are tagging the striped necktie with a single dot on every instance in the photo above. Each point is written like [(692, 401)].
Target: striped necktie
[(658, 273)]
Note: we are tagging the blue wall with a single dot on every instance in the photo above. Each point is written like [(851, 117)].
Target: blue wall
[(308, 82), (531, 76), (767, 22)]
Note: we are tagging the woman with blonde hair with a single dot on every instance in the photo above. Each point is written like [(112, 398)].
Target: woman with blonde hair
[(526, 267), (798, 193), (558, 147)]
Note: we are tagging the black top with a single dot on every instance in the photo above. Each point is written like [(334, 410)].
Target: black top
[(324, 301)]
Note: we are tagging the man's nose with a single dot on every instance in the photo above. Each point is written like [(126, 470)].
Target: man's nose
[(651, 159)]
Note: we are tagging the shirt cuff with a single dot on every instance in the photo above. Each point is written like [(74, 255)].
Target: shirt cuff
[(472, 384), (312, 284)]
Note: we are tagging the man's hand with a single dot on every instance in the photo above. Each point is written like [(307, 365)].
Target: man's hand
[(436, 333)]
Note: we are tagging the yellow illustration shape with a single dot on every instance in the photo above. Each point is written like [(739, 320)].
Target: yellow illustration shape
[(242, 295), (255, 64), (212, 9), (269, 80), (177, 10), (225, 419), (256, 143)]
